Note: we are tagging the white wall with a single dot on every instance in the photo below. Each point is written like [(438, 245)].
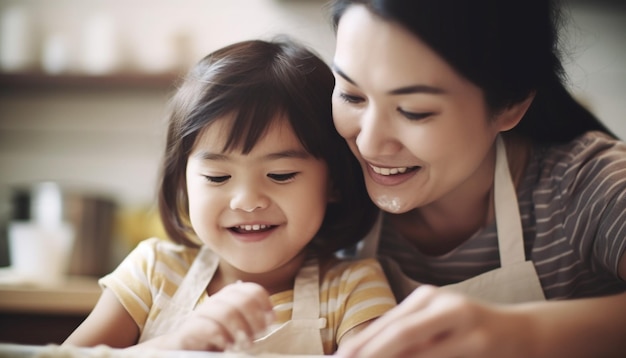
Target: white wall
[(595, 59)]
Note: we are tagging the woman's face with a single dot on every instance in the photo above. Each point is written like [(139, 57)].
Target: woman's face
[(420, 130)]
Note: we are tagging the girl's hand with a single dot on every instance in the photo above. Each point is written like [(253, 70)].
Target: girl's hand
[(435, 323), (229, 318)]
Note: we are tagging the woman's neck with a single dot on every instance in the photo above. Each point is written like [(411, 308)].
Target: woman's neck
[(445, 224)]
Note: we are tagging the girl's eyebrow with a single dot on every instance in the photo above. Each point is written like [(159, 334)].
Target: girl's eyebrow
[(204, 155), (413, 89), (289, 153)]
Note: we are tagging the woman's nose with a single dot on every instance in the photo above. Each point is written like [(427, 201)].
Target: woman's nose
[(248, 199), (376, 136)]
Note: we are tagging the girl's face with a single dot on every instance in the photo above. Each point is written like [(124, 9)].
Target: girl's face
[(420, 130), (257, 211)]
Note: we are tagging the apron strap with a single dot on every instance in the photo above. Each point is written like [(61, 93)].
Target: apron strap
[(196, 280), (508, 221), (306, 296), (191, 288)]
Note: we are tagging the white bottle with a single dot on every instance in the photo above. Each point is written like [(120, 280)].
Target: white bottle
[(40, 249), (55, 54), (100, 50), (17, 51)]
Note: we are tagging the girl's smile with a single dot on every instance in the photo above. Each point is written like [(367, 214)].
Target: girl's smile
[(248, 233), (256, 210)]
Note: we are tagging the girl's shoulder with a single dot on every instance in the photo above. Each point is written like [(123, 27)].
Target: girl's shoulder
[(155, 251), (335, 269), (165, 246)]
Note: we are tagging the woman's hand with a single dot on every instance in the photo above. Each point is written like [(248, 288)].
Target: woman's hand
[(436, 323), (432, 322), (229, 318)]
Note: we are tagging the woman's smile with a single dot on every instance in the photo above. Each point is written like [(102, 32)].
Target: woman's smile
[(390, 176)]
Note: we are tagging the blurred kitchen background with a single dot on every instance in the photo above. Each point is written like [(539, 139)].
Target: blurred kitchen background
[(84, 86)]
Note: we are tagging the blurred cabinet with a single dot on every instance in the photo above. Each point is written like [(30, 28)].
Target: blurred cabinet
[(43, 314)]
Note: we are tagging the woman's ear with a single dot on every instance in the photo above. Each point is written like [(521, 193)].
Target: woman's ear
[(511, 115)]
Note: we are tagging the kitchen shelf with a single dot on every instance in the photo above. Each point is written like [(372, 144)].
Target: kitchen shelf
[(35, 80), (74, 295)]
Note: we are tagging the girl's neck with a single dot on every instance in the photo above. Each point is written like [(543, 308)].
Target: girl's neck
[(445, 224), (277, 280)]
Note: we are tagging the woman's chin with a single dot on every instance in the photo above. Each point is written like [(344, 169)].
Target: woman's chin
[(391, 204)]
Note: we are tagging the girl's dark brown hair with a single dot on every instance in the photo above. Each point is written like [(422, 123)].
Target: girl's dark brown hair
[(257, 82)]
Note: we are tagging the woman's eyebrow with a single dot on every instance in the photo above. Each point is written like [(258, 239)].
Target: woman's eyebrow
[(412, 89), (342, 74), (417, 89)]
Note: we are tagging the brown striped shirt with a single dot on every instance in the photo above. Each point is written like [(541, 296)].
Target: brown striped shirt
[(572, 202)]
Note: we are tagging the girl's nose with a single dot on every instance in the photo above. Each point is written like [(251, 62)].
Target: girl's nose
[(248, 199), (376, 136)]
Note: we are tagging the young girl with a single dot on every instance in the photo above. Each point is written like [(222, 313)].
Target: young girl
[(257, 191)]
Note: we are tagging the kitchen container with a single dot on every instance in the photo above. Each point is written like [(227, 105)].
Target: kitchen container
[(89, 214)]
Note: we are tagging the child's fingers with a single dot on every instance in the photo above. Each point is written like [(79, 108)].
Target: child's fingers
[(242, 309), (253, 302), (235, 326), (256, 292)]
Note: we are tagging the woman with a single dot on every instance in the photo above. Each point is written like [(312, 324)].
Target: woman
[(495, 182)]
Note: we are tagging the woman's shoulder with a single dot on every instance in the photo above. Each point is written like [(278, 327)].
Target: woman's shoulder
[(583, 159), (590, 145), (589, 171)]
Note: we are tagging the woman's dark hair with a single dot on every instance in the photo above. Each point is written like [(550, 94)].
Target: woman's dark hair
[(259, 82), (507, 48)]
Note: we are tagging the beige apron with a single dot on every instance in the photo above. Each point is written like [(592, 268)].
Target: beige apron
[(300, 335), (515, 281)]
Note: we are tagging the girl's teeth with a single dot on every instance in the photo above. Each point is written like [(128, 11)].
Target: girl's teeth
[(389, 171), (255, 227)]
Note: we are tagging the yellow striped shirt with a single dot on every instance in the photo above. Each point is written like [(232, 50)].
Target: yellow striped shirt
[(351, 292)]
